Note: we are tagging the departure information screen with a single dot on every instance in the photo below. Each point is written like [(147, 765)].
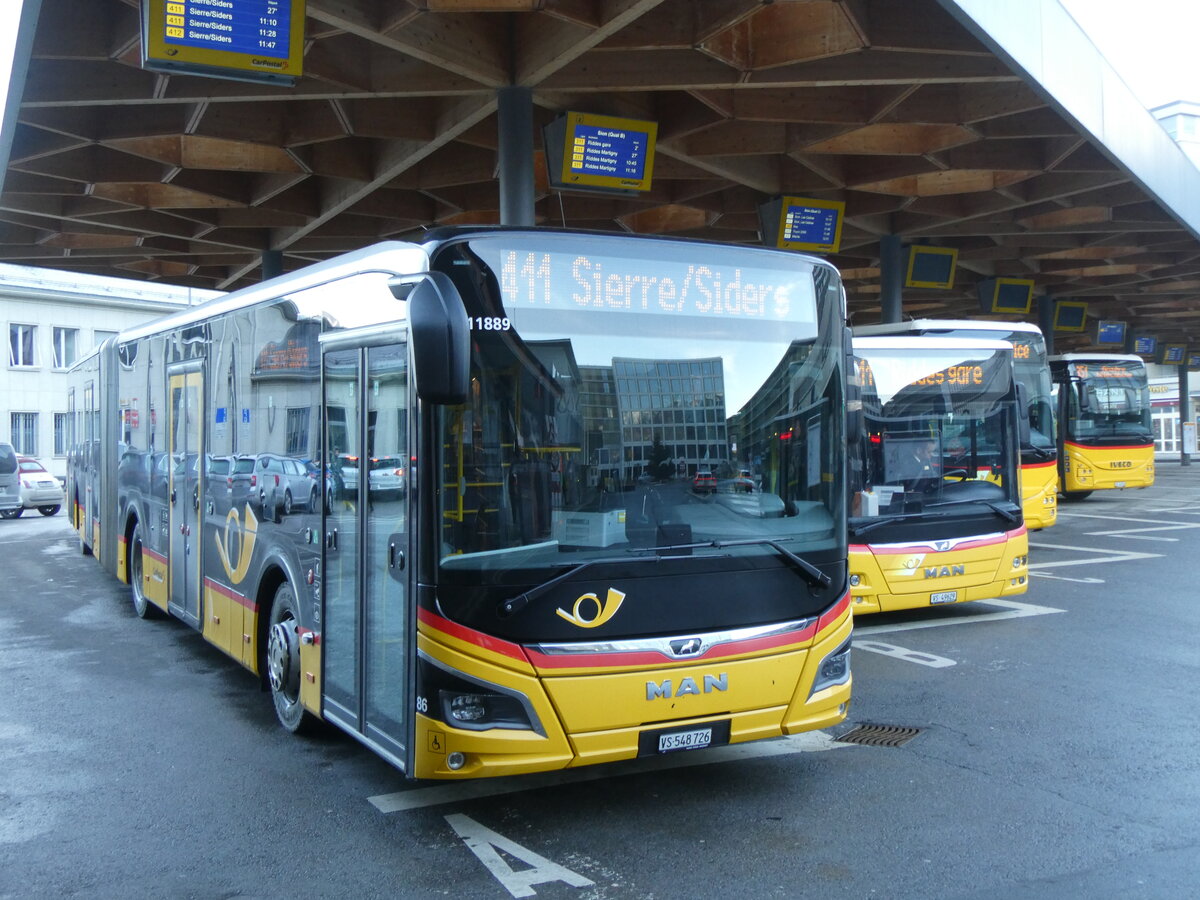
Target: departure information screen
[(240, 26)]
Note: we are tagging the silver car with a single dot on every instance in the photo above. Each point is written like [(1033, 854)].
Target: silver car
[(38, 488)]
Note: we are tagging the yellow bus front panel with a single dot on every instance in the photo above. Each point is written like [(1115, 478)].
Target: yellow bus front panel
[(1039, 495), (606, 707), (917, 574), (1107, 468)]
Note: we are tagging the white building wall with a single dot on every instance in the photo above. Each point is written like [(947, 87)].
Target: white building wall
[(92, 307)]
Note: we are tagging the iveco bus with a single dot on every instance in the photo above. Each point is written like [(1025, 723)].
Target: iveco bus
[(441, 494), (1104, 417), (935, 513)]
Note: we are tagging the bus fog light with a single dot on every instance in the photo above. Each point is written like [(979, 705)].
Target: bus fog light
[(456, 760), (855, 580)]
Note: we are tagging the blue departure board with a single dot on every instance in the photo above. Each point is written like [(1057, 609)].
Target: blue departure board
[(606, 154), (238, 26), (249, 40), (811, 225), (609, 152), (1111, 333), (1144, 345)]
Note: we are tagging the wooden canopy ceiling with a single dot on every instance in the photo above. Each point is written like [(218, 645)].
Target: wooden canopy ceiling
[(893, 108)]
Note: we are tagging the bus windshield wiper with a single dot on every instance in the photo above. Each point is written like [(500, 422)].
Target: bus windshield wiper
[(516, 604), (812, 574), (872, 524), (994, 507)]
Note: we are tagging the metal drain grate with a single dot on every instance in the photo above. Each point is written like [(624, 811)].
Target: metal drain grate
[(879, 735)]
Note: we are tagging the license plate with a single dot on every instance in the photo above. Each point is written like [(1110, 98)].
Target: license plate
[(685, 740), (944, 597)]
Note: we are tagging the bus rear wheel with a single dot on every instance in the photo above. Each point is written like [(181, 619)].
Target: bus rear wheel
[(1076, 496), (142, 607), (283, 662)]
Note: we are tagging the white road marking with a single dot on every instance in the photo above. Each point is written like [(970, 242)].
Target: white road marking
[(1013, 610), (903, 653), (461, 791), (484, 843), (1065, 578), (1116, 556)]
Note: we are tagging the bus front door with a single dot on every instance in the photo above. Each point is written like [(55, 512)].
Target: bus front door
[(368, 626), (185, 432)]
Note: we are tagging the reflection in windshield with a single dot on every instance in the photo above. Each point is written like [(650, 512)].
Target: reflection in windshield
[(1115, 401), (594, 432)]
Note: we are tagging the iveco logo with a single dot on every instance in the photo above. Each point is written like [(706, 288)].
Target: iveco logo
[(1122, 465), (935, 572), (666, 689), (686, 647)]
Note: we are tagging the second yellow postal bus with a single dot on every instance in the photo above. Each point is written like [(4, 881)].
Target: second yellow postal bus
[(1107, 442), (1039, 448), (935, 513)]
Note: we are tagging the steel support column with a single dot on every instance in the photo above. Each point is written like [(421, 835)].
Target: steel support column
[(515, 123)]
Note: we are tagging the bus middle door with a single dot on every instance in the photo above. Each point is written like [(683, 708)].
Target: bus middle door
[(368, 625), (185, 430)]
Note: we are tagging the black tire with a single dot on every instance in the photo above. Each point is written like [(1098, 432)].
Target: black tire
[(282, 663), (1076, 496), (314, 500), (287, 503), (11, 513), (50, 510), (142, 607)]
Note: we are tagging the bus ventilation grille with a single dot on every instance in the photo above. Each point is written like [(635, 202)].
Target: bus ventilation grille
[(879, 735)]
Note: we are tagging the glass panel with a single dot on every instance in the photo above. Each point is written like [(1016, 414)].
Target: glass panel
[(343, 454), (387, 609)]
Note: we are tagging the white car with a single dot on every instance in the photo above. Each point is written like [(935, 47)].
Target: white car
[(386, 476), (39, 489)]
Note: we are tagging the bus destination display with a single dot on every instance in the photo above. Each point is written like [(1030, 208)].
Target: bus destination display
[(242, 39), (812, 225)]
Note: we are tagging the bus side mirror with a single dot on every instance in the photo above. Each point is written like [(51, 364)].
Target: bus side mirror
[(441, 340), (1023, 414)]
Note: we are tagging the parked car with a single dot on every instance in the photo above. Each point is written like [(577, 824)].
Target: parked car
[(38, 489), (705, 482), (386, 476), (10, 488), (281, 484), (349, 467), (333, 480)]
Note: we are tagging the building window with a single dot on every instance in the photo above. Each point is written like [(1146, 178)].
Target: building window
[(20, 344), (61, 433), (24, 433), (297, 431), (64, 347)]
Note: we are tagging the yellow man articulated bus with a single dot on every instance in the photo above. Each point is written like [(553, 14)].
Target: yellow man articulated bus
[(443, 494), (935, 513), (1039, 446), (1104, 423)]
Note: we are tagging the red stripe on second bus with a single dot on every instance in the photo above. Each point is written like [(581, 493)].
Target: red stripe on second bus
[(231, 594)]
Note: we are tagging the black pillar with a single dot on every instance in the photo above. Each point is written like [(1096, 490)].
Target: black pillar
[(272, 264), (515, 120), (891, 279), (1046, 322)]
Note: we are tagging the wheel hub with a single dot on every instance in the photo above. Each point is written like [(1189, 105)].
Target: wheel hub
[(283, 657)]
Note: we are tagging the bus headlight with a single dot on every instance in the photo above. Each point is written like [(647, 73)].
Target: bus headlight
[(834, 669), (470, 703)]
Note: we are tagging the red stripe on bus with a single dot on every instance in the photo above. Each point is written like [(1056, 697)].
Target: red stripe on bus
[(834, 613), (610, 659), (879, 550), (153, 554), (231, 594), (1107, 447), (1041, 465), (471, 636)]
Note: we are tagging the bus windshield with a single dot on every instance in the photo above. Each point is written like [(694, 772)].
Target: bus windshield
[(1110, 399), (940, 430), (630, 400)]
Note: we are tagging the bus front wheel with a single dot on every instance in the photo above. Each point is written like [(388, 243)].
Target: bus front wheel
[(283, 662)]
